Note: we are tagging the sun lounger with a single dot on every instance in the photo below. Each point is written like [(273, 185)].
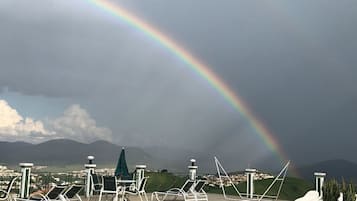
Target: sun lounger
[(198, 191), (51, 195), (96, 183), (310, 196), (72, 193), (139, 191), (110, 187), (5, 194), (185, 192)]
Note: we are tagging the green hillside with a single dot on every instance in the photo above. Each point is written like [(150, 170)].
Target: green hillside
[(292, 188), (163, 181)]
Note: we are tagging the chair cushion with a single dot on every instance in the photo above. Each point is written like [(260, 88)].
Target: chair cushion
[(2, 195), (109, 183), (73, 191)]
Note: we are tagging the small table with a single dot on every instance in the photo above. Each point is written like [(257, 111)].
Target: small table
[(124, 184)]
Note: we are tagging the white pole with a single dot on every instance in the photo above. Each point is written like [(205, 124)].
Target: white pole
[(25, 179), (319, 182), (90, 170), (250, 182)]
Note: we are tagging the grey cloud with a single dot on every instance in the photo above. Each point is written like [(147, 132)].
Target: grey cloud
[(77, 124)]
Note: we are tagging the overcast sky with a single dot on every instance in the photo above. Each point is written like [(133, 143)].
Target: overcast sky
[(71, 70)]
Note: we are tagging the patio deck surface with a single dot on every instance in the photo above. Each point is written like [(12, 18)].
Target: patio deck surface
[(211, 197)]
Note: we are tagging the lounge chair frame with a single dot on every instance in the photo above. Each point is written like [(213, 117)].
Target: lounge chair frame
[(96, 183), (72, 193), (116, 192), (198, 191), (139, 191), (7, 192), (279, 178), (185, 191), (56, 190)]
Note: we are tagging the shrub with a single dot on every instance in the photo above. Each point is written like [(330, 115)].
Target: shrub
[(349, 192), (331, 190)]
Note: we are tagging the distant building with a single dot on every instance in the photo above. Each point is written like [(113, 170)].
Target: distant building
[(213, 180), (5, 172), (5, 175)]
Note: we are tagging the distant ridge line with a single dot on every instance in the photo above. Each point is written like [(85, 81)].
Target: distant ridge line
[(61, 152)]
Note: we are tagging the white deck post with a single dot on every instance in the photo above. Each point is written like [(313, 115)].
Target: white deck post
[(90, 170), (192, 170), (139, 174), (250, 182), (25, 179), (319, 182)]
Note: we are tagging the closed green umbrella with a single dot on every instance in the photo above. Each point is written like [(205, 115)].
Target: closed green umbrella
[(122, 168)]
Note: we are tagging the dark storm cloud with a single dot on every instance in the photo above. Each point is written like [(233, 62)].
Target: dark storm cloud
[(143, 93), (294, 63)]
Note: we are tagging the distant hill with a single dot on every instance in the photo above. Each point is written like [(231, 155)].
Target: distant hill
[(64, 152), (337, 169)]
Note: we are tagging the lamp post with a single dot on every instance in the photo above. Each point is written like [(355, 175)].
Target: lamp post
[(192, 170), (90, 166), (25, 179), (319, 182), (250, 182)]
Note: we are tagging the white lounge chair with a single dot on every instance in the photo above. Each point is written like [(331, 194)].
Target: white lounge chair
[(340, 198), (139, 191), (51, 195), (185, 192), (72, 193), (5, 194), (310, 196), (97, 184), (110, 187), (198, 191), (277, 181)]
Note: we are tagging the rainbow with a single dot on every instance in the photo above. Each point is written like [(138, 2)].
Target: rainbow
[(198, 67)]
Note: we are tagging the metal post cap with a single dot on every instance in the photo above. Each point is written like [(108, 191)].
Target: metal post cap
[(250, 170), (26, 164), (90, 166), (140, 166), (320, 174)]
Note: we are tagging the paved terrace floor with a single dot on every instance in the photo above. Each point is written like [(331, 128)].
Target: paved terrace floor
[(211, 197)]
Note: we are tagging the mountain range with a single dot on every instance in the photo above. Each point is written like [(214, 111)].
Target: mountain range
[(63, 152), (335, 169)]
